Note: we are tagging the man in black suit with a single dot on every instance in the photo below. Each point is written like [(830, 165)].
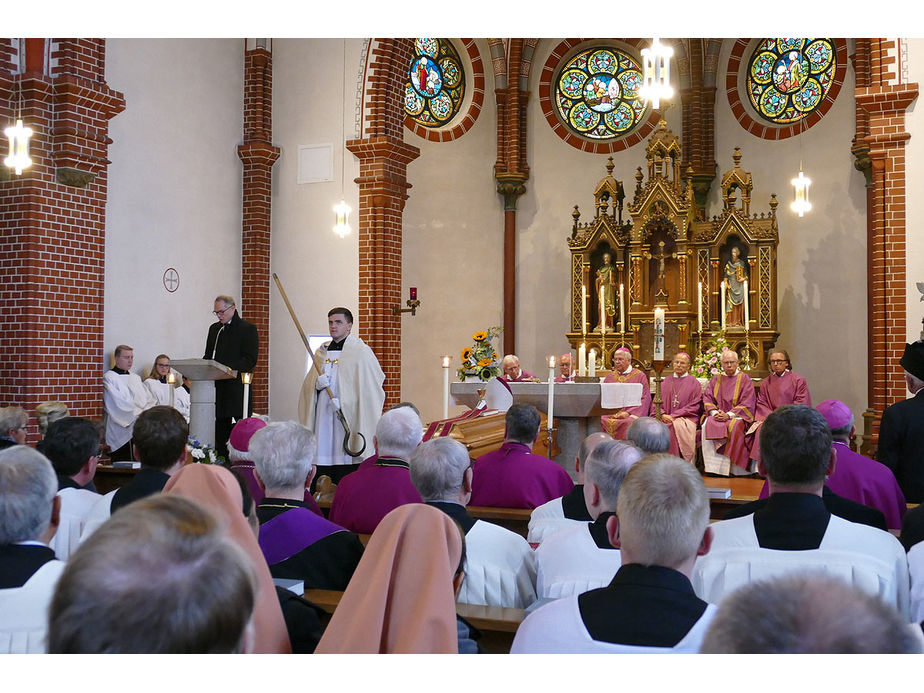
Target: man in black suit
[(901, 432), (231, 341)]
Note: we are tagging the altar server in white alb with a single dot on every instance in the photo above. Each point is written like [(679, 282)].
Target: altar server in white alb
[(124, 398), (159, 385), (349, 368), (499, 566)]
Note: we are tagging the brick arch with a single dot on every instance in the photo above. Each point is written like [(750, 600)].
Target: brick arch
[(759, 127), (463, 122), (561, 52)]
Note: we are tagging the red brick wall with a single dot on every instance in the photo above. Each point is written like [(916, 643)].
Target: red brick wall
[(258, 156), (52, 235)]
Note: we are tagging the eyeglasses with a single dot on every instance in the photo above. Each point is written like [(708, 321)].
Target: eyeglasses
[(162, 365), (778, 361), (219, 313)]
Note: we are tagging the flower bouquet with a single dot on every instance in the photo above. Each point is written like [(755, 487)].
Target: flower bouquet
[(202, 453), (707, 363), (480, 359)]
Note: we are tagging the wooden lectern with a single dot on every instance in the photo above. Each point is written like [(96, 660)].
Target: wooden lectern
[(202, 374)]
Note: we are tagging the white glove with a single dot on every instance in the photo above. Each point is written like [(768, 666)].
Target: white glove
[(322, 382), (335, 403)]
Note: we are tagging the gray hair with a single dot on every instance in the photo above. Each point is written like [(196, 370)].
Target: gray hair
[(398, 432), (807, 614), (663, 510), (48, 412), (227, 300), (510, 359), (12, 418), (521, 424), (438, 467), (588, 445), (282, 453), (27, 489), (607, 467), (650, 435)]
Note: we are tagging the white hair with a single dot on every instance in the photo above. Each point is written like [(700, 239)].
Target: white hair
[(438, 467), (282, 453), (398, 432), (27, 489)]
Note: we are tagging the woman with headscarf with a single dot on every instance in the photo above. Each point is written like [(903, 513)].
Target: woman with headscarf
[(216, 488), (401, 598)]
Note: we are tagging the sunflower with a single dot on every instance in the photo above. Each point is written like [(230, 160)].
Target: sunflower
[(466, 353), (486, 374), (484, 362), (480, 336)]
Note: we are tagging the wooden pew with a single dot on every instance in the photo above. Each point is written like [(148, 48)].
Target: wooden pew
[(497, 624)]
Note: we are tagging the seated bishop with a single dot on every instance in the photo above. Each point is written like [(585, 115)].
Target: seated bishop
[(681, 407), (512, 371), (624, 372), (781, 387), (728, 401), (565, 369)]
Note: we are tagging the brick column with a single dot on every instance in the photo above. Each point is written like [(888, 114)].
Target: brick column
[(52, 231), (258, 156)]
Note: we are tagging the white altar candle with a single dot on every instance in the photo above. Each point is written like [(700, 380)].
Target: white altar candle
[(659, 334), (583, 310), (602, 311), (551, 391), (582, 360), (592, 364), (246, 378), (445, 387), (622, 311), (723, 304), (747, 310), (171, 381), (699, 306)]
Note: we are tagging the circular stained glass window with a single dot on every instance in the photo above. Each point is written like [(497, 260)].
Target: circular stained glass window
[(788, 78), (435, 85), (596, 93)]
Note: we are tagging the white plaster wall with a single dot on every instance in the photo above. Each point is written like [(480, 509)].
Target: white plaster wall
[(174, 192), (453, 252), (821, 261), (914, 237), (318, 269)]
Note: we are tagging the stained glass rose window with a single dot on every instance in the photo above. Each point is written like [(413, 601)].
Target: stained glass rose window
[(435, 86), (788, 78)]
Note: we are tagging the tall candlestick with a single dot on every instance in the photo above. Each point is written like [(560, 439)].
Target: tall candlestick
[(246, 378), (582, 360), (592, 364), (658, 334), (445, 387), (551, 392), (171, 381), (602, 310), (699, 306), (583, 310), (723, 304), (622, 311), (747, 311)]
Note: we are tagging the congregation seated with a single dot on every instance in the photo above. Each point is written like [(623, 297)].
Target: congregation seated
[(857, 478), (28, 567), (215, 488), (793, 529), (618, 424), (72, 446), (649, 606), (512, 373), (514, 477), (402, 598), (649, 435), (499, 564), (159, 443), (570, 509), (13, 422), (383, 482), (124, 398), (159, 385), (782, 386), (729, 403), (581, 558), (681, 407), (297, 543), (162, 562), (808, 614)]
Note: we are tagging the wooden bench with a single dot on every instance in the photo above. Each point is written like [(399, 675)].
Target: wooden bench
[(497, 624)]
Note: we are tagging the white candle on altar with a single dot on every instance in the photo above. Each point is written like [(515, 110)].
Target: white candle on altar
[(699, 306), (246, 378), (592, 364), (171, 381), (445, 387), (582, 360), (551, 392), (602, 311), (723, 304), (622, 311), (747, 311), (659, 334), (583, 310)]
